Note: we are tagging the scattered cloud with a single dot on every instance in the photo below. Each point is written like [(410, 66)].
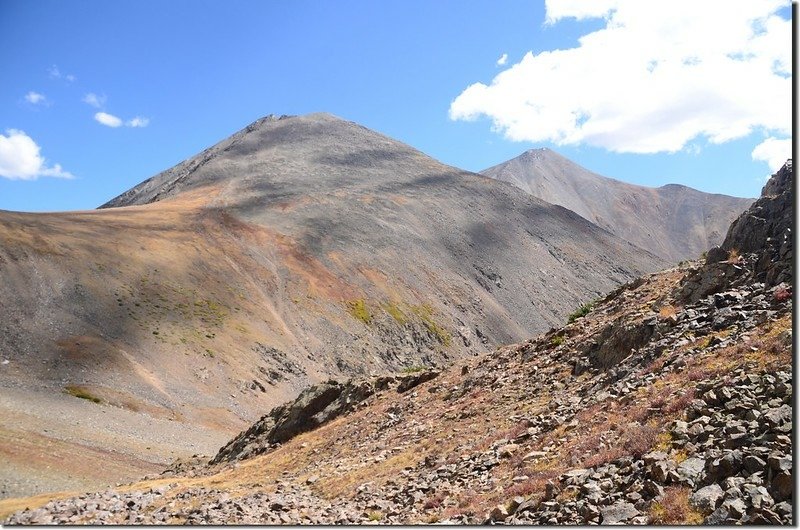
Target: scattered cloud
[(94, 100), (656, 78), (502, 60), (55, 73), (138, 121), (20, 159), (773, 151), (107, 119), (35, 98)]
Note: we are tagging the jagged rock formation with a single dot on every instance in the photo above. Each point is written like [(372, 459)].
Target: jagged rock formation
[(687, 420), (315, 406), (764, 231), (766, 228), (673, 221)]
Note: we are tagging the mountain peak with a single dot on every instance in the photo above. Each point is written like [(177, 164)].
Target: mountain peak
[(673, 221), (261, 149)]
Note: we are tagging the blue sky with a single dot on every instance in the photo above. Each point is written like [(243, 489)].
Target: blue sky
[(175, 77)]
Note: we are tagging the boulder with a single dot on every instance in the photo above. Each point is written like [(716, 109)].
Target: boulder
[(707, 499), (617, 513)]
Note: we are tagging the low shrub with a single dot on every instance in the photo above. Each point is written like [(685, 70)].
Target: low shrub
[(359, 310), (81, 393), (674, 508), (581, 312)]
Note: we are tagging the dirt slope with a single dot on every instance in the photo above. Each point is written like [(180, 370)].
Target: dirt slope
[(651, 407), (673, 221), (297, 250)]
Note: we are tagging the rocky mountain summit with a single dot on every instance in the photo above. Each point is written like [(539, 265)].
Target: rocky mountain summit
[(673, 221), (654, 404)]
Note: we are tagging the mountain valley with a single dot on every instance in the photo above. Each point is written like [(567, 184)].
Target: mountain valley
[(667, 401), (298, 249)]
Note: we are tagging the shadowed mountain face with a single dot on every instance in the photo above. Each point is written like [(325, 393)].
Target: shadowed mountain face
[(296, 250), (673, 221)]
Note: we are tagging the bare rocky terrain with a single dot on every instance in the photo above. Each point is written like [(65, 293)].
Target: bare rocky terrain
[(667, 401), (674, 221), (297, 250)]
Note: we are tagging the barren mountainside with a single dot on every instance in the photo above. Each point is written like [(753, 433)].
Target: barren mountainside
[(669, 401), (299, 249), (673, 221)]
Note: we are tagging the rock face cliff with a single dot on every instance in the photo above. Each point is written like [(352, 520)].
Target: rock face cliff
[(766, 228), (762, 233), (673, 221)]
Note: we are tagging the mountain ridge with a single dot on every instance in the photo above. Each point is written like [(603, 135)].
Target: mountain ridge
[(296, 250), (673, 221)]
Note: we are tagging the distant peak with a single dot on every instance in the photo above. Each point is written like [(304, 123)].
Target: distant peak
[(541, 153), (272, 118)]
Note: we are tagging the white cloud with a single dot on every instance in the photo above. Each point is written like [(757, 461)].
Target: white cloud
[(502, 60), (20, 158), (35, 98), (656, 77), (94, 100), (108, 120), (773, 151), (138, 121), (55, 73)]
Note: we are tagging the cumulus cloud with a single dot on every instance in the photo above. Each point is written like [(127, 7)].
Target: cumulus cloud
[(94, 100), (502, 60), (138, 121), (20, 158), (655, 78), (35, 98), (773, 151), (107, 119)]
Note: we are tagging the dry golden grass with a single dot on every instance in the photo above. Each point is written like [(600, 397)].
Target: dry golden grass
[(667, 311), (674, 508)]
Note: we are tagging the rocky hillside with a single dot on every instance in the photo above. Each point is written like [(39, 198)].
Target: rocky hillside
[(297, 250), (673, 221), (653, 405)]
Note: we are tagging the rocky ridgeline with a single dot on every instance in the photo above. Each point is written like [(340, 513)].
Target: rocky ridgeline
[(765, 230), (315, 406)]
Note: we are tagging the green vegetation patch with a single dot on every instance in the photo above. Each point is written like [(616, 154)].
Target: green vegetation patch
[(359, 310), (581, 312), (425, 313), (395, 312), (78, 392), (414, 369)]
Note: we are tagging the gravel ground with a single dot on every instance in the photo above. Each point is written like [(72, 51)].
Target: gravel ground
[(52, 441)]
